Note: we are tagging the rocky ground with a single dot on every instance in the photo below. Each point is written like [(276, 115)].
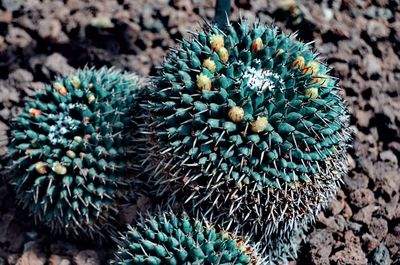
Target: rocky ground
[(359, 38)]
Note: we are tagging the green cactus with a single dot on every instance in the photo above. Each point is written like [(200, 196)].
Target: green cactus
[(69, 150), (248, 128), (171, 239)]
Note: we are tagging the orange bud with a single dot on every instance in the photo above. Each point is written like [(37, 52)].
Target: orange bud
[(257, 45), (223, 54), (299, 62), (216, 41), (311, 68), (35, 112)]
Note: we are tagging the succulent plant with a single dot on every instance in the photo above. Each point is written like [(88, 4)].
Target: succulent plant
[(70, 150), (177, 239), (248, 128)]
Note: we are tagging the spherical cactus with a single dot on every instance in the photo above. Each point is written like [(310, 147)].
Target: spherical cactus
[(69, 149), (171, 239), (257, 141)]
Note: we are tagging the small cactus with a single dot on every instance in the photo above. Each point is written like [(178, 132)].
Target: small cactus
[(69, 150), (177, 239), (260, 142)]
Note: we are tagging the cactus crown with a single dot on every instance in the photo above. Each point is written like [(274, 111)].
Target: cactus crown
[(248, 121), (171, 239), (69, 149)]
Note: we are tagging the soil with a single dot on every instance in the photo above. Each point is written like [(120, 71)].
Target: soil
[(359, 38)]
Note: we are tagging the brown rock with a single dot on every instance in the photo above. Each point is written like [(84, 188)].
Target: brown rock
[(19, 37), (58, 260), (335, 207), (369, 242), (356, 181), (363, 118), (392, 242), (351, 253), (378, 228), (377, 30), (373, 66), (362, 197), (347, 212), (5, 17), (388, 156), (32, 256), (365, 214), (56, 64)]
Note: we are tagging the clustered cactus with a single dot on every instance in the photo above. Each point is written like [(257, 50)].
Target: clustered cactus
[(69, 149), (248, 128), (178, 239)]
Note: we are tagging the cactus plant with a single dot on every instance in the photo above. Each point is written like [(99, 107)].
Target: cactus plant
[(69, 150), (177, 239), (248, 128)]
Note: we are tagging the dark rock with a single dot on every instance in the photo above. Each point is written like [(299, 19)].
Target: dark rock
[(380, 256), (12, 5)]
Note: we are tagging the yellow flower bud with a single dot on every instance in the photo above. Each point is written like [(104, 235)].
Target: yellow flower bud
[(311, 92), (60, 88), (203, 82), (41, 168), (76, 83), (236, 114), (259, 125), (217, 42), (210, 65), (71, 154), (58, 168)]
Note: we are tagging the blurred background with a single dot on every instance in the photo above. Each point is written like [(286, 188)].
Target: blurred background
[(360, 39)]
